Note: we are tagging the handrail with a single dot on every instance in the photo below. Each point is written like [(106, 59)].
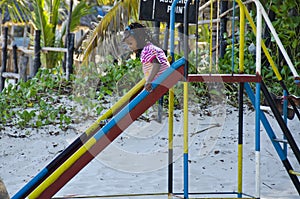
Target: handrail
[(172, 29), (260, 9), (278, 41), (265, 50), (242, 35), (260, 44)]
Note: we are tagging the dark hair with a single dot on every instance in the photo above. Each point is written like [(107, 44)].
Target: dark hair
[(140, 32)]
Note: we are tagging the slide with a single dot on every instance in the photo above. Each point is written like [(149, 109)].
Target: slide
[(102, 137), (54, 164)]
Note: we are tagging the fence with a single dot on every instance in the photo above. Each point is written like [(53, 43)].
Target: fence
[(20, 69)]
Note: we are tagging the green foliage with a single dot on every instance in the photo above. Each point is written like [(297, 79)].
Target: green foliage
[(91, 87), (18, 10), (269, 77), (287, 25), (125, 74), (34, 103)]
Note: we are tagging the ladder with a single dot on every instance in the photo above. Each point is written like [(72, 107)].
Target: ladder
[(276, 141)]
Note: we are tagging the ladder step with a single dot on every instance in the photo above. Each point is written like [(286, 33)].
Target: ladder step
[(280, 140), (294, 172)]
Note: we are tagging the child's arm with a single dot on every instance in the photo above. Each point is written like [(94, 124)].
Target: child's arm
[(153, 72)]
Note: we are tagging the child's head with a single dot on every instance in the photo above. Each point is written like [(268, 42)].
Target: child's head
[(136, 36)]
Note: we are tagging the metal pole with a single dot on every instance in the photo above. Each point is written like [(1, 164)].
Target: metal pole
[(240, 141), (285, 112), (211, 37), (257, 101), (170, 159), (241, 91), (232, 39), (223, 28), (257, 141), (172, 29), (185, 141)]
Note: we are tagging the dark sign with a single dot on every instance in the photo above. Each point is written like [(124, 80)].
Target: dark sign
[(159, 10)]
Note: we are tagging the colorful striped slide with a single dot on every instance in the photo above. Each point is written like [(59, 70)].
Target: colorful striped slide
[(62, 169)]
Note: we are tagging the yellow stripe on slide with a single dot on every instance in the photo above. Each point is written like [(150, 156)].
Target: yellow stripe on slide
[(116, 106), (60, 170), (82, 150)]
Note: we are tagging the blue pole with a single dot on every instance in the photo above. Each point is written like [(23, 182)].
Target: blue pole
[(172, 39), (266, 124), (285, 112), (257, 139), (172, 29)]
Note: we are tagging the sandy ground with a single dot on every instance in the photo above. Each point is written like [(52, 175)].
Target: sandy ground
[(136, 162)]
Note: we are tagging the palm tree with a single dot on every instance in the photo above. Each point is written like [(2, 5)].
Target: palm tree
[(114, 21), (17, 10), (47, 16)]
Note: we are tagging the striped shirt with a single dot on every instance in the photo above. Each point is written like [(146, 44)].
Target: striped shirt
[(148, 54)]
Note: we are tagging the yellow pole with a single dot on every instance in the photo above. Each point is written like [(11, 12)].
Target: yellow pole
[(241, 70), (171, 112), (242, 39), (185, 112), (240, 168), (170, 160), (275, 69), (185, 138)]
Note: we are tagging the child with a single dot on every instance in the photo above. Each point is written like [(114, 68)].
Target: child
[(153, 58)]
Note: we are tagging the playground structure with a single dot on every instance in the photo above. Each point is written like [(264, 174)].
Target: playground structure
[(84, 149)]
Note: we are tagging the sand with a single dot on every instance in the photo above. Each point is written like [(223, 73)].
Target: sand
[(137, 161)]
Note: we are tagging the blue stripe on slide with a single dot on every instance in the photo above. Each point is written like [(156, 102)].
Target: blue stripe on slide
[(108, 126), (30, 184), (138, 99)]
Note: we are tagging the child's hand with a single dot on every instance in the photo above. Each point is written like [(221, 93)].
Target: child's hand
[(148, 87)]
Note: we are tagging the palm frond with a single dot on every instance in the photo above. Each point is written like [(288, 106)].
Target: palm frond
[(105, 2), (18, 10), (115, 19), (55, 13), (81, 9), (41, 22)]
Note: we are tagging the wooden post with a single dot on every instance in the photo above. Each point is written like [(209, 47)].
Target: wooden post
[(37, 53), (69, 66), (15, 59), (156, 33), (23, 66), (64, 63), (4, 58), (180, 42), (223, 27), (166, 38)]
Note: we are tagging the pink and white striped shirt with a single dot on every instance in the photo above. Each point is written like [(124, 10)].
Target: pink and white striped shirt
[(149, 53)]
